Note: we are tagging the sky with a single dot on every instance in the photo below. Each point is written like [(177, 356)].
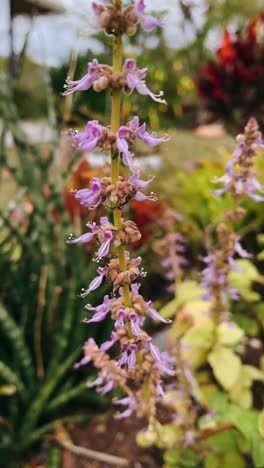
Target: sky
[(52, 37)]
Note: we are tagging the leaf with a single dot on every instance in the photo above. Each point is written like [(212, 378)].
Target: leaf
[(170, 309), (15, 335), (242, 280), (226, 366), (261, 423), (233, 460), (146, 439), (180, 457), (245, 421), (198, 341), (186, 292), (240, 393), (229, 334), (212, 461), (249, 325)]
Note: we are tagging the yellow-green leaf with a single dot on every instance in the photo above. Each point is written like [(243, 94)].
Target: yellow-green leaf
[(261, 423), (197, 341), (229, 334), (226, 366)]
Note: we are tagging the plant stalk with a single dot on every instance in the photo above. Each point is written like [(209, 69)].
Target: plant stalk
[(115, 157)]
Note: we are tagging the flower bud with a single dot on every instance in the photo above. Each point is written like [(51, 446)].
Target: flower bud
[(105, 18), (101, 84), (131, 30)]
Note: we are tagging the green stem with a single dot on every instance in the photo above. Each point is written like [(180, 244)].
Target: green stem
[(115, 124)]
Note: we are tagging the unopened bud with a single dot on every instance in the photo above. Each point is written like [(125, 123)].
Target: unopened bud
[(131, 30), (104, 19), (101, 84)]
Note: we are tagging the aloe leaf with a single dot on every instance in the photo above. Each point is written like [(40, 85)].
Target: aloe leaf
[(14, 334), (9, 376), (62, 336), (36, 435), (54, 458), (75, 392), (34, 412)]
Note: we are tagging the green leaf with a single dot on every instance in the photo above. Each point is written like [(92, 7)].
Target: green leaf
[(249, 325), (186, 292), (15, 335), (246, 421), (242, 280), (233, 460), (240, 393), (226, 366), (179, 458), (225, 441), (229, 334), (9, 376), (261, 423), (170, 309), (198, 341), (212, 461)]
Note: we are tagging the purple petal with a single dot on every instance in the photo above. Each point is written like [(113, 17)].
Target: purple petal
[(140, 7), (87, 237), (149, 22), (96, 382), (156, 316), (98, 317), (104, 249), (95, 283)]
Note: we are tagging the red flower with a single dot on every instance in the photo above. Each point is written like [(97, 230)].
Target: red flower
[(226, 51)]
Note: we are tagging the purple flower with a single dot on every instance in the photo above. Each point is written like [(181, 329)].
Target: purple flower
[(139, 185), (134, 321), (154, 314), (154, 350), (97, 281), (91, 198), (85, 82), (105, 246), (131, 362), (96, 382), (240, 179), (88, 140), (87, 237), (107, 388), (121, 315), (148, 22), (149, 139), (135, 79), (100, 311), (127, 401), (123, 147), (126, 135), (124, 355), (108, 344)]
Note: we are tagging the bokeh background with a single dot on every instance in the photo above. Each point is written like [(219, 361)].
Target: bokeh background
[(209, 60)]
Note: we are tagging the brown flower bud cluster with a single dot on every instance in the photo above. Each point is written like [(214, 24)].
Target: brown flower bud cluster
[(109, 368), (115, 275), (146, 380), (129, 233), (234, 216), (138, 305), (117, 22), (110, 79), (117, 195)]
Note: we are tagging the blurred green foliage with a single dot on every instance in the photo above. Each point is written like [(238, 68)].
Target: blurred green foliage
[(41, 278)]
